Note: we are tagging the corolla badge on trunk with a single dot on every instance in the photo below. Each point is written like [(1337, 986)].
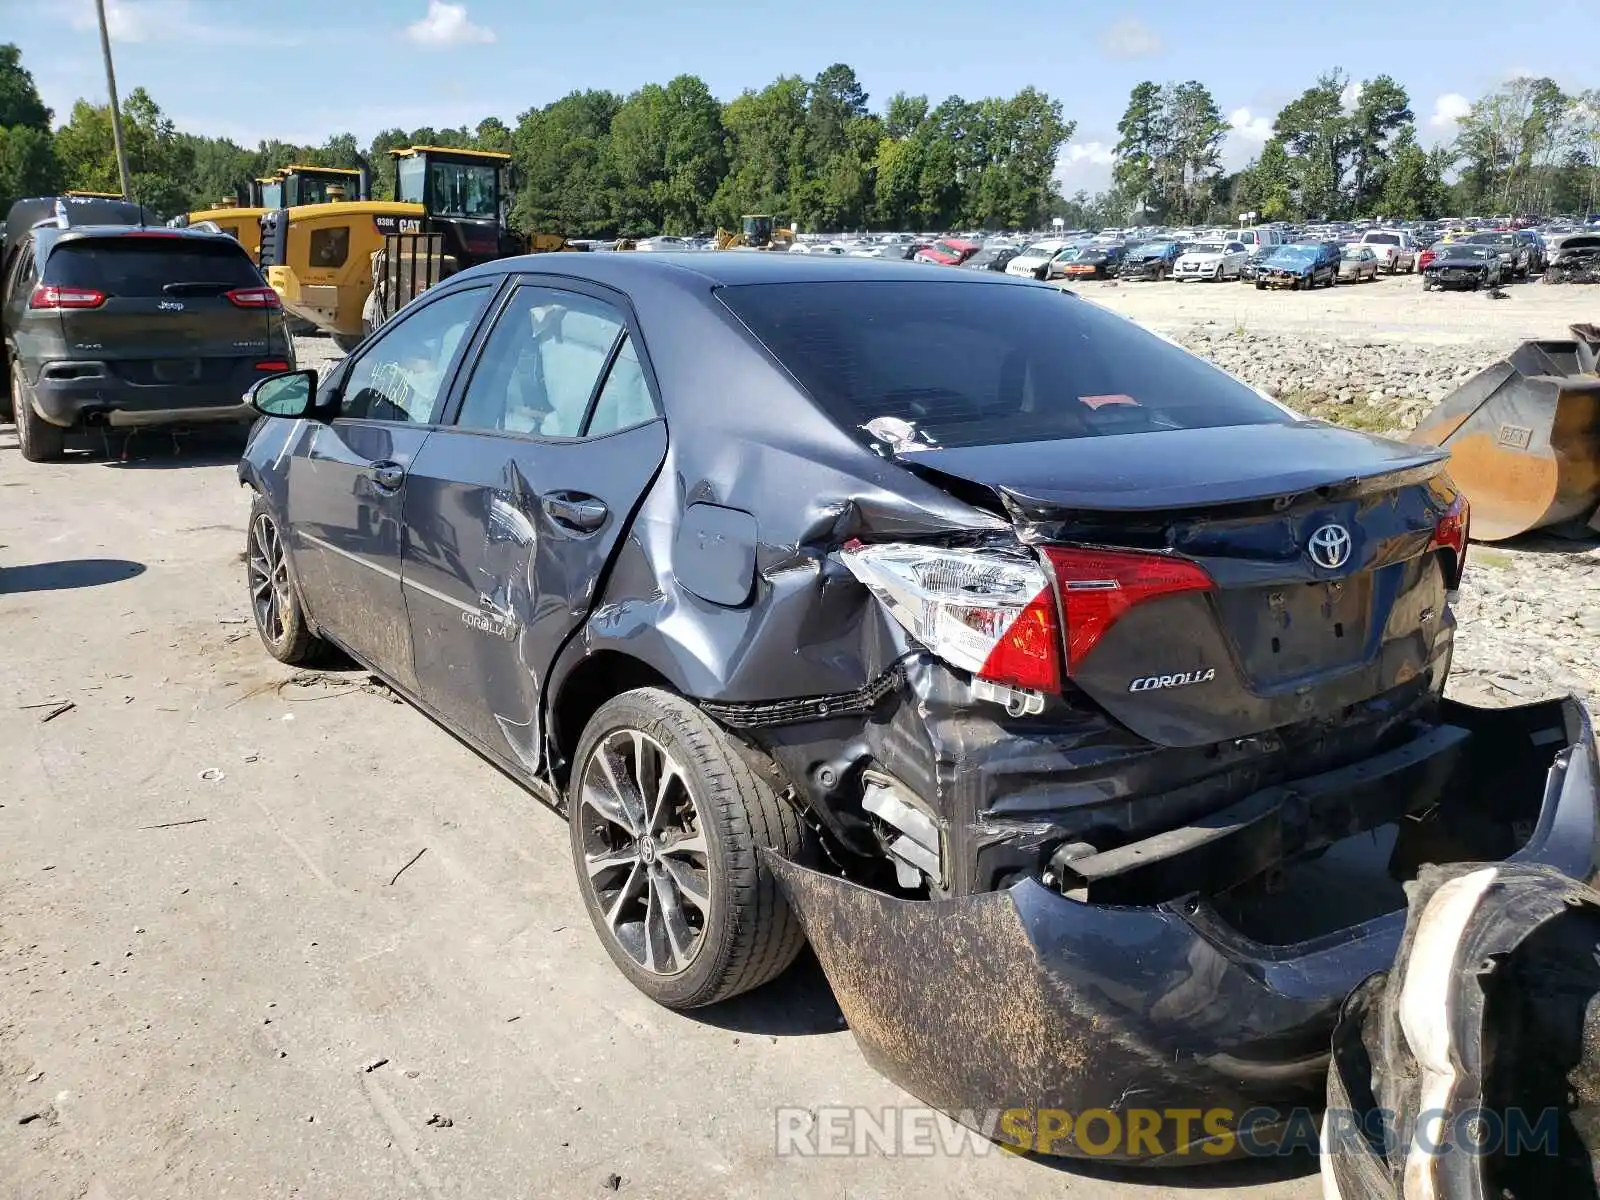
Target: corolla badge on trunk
[(1150, 683), (1329, 547)]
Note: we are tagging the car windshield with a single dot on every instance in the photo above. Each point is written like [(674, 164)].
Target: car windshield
[(1501, 238), (1355, 252), (1038, 250), (1295, 253), (1206, 248), (971, 365), (1154, 248), (1468, 250)]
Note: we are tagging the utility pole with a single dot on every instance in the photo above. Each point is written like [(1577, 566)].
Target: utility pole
[(116, 113)]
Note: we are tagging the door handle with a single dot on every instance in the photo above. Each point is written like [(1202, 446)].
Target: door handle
[(387, 475), (575, 511)]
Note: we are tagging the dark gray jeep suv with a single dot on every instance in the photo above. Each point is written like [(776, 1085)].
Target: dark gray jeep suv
[(128, 325)]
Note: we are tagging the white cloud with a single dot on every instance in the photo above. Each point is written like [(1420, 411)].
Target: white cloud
[(447, 25), (1448, 109), (1247, 126), (1130, 38), (1351, 96), (1097, 153)]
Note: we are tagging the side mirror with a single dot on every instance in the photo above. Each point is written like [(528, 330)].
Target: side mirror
[(292, 395)]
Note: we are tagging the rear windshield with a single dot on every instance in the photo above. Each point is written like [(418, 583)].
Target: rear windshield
[(1382, 239), (975, 365), (146, 266)]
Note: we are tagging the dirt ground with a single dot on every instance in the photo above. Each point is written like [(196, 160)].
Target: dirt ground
[(219, 976)]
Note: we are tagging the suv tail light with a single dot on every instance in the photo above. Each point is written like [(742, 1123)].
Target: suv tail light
[(255, 297), (1099, 586), (1451, 534), (984, 611), (54, 296)]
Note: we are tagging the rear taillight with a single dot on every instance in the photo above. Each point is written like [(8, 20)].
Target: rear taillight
[(53, 296), (273, 364), (1451, 534), (1099, 586), (256, 297), (987, 612)]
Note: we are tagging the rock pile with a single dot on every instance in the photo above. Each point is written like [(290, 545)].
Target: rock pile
[(1368, 383)]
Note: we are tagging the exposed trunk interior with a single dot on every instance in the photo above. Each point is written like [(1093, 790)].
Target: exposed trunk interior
[(1486, 809)]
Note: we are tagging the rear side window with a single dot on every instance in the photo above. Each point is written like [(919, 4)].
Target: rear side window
[(145, 266), (974, 365)]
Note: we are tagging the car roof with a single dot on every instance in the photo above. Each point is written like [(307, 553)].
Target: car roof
[(729, 268)]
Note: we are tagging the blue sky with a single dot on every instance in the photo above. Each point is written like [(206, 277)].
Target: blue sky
[(302, 69)]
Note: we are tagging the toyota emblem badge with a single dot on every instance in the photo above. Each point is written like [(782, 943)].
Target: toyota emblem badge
[(1329, 547)]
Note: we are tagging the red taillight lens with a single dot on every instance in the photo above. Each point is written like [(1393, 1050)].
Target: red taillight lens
[(273, 364), (1099, 586), (259, 297), (1028, 654), (1451, 534), (51, 295)]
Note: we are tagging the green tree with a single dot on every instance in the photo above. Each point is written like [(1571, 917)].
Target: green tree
[(767, 139), (567, 180), (1144, 149), (1413, 181), (160, 162), (1316, 136), (904, 115), (1382, 117), (1197, 130), (27, 151)]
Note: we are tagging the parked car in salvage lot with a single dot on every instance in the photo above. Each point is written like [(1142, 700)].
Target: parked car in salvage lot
[(1396, 250), (1151, 260), (1211, 260), (1356, 263), (1463, 265), (1116, 707), (1300, 265), (124, 325)]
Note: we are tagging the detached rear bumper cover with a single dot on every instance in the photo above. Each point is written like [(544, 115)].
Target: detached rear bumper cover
[(1023, 999)]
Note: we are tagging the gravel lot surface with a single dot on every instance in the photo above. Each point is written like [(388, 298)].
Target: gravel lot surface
[(211, 982)]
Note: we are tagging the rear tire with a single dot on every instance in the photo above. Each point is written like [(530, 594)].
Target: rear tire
[(694, 860), (38, 440)]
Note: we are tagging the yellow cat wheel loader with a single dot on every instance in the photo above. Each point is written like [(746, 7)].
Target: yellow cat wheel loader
[(758, 232), (320, 258), (240, 215)]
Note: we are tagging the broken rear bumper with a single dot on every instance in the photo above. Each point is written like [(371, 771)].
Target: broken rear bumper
[(1157, 1033)]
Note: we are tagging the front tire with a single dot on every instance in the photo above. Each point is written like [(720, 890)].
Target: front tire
[(667, 820), (37, 439), (274, 600)]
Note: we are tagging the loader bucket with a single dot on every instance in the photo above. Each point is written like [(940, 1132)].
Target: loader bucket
[(1524, 438)]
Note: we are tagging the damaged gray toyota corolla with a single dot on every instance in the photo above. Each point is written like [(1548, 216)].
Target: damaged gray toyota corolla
[(1079, 704)]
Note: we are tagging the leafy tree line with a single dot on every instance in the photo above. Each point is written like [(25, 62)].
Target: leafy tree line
[(1346, 149), (670, 158)]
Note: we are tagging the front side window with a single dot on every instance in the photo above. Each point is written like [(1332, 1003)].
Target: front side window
[(540, 366), (463, 190), (410, 180), (399, 377), (969, 366)]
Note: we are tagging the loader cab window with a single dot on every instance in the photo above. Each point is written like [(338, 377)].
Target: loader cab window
[(450, 189), (272, 195)]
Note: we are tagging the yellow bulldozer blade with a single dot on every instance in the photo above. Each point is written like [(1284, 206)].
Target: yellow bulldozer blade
[(1524, 437)]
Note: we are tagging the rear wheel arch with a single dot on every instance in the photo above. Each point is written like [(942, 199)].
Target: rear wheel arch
[(582, 690)]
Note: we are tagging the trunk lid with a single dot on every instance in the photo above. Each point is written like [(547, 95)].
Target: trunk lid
[(1321, 585), (167, 317)]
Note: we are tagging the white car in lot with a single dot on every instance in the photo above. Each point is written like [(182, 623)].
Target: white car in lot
[(1034, 258), (1395, 248), (1211, 260)]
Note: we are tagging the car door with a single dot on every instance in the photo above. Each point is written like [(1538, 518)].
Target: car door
[(515, 505), (347, 478)]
